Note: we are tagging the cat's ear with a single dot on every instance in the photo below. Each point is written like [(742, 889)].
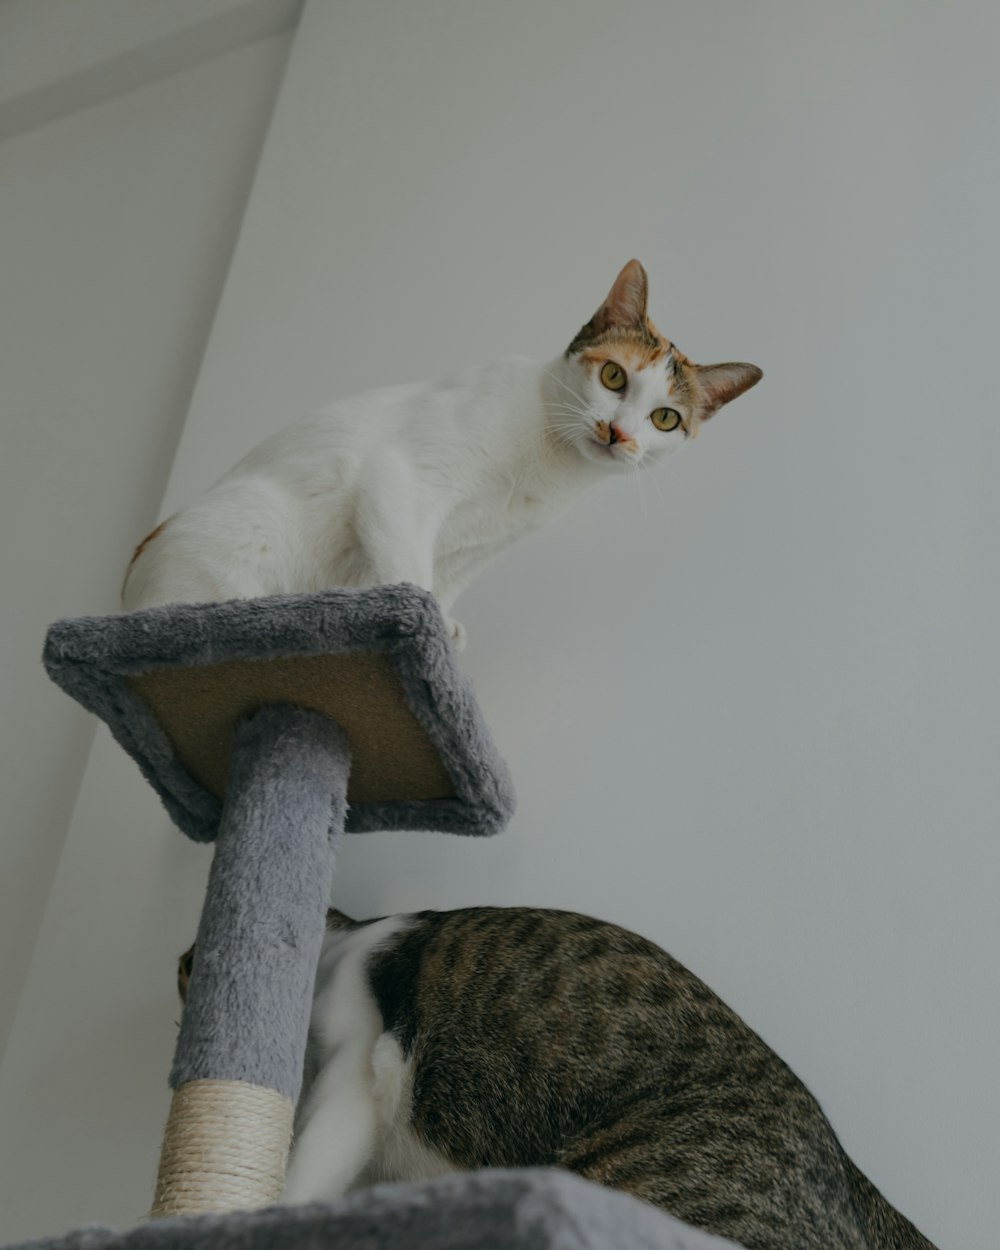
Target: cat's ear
[(624, 308), (626, 302), (718, 384), (184, 966), (339, 920)]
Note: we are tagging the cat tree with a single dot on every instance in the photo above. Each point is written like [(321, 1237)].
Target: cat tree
[(271, 726)]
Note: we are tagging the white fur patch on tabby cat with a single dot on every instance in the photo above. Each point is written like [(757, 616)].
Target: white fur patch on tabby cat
[(427, 482), (353, 1127)]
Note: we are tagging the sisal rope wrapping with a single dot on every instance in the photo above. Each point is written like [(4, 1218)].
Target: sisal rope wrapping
[(225, 1148)]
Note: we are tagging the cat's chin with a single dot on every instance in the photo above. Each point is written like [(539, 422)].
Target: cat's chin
[(607, 455)]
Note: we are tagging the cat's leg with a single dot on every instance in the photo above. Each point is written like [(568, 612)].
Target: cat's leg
[(338, 1119), (456, 631), (337, 1141), (401, 1153), (393, 524), (457, 571), (397, 522)]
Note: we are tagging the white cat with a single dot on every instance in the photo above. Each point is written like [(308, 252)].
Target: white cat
[(426, 482)]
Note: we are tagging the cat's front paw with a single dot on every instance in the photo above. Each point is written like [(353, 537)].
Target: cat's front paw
[(456, 632)]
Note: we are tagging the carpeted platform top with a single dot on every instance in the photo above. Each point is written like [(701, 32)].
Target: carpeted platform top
[(533, 1209), (172, 681)]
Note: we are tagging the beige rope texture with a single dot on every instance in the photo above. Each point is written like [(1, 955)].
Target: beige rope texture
[(225, 1148)]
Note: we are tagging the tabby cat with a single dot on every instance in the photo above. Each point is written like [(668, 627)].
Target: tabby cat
[(426, 482), (518, 1037)]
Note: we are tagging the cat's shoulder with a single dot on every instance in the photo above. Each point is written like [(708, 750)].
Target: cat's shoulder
[(487, 375), (359, 939), (517, 368)]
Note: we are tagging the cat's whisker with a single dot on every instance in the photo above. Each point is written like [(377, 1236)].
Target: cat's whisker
[(563, 438), (573, 402), (564, 419), (567, 423), (643, 505), (565, 409), (564, 424), (561, 431), (555, 427), (557, 406), (632, 472), (656, 486), (555, 377)]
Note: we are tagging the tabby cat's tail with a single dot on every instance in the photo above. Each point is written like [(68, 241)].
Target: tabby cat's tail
[(883, 1225)]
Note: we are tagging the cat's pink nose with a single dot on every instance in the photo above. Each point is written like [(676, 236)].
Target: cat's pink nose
[(617, 435)]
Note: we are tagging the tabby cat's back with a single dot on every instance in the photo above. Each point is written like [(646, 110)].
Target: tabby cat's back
[(535, 1037)]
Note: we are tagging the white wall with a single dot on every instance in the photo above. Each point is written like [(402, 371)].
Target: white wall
[(60, 56), (751, 709), (116, 228)]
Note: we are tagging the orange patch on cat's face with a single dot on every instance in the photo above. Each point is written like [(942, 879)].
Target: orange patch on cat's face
[(631, 350)]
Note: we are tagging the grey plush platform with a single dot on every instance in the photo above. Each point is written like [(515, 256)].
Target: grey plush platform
[(171, 683), (534, 1209)]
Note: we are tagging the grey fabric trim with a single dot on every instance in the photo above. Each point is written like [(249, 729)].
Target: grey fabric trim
[(533, 1209), (91, 657)]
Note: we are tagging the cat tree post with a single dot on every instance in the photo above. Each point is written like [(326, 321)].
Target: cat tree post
[(237, 1070), (270, 726)]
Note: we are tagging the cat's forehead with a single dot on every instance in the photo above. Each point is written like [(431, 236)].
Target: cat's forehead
[(633, 349)]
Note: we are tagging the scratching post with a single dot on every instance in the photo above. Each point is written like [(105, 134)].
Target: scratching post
[(238, 1065), (270, 726)]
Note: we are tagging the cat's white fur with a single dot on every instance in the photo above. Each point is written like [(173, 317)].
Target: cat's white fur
[(422, 483), (353, 1124)]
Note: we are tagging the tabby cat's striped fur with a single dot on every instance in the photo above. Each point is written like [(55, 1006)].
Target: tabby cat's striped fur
[(510, 1037)]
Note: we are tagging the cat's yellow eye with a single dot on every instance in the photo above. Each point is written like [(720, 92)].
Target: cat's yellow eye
[(613, 376), (666, 419)]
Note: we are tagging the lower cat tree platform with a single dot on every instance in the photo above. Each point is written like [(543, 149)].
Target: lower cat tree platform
[(527, 1209), (272, 726)]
